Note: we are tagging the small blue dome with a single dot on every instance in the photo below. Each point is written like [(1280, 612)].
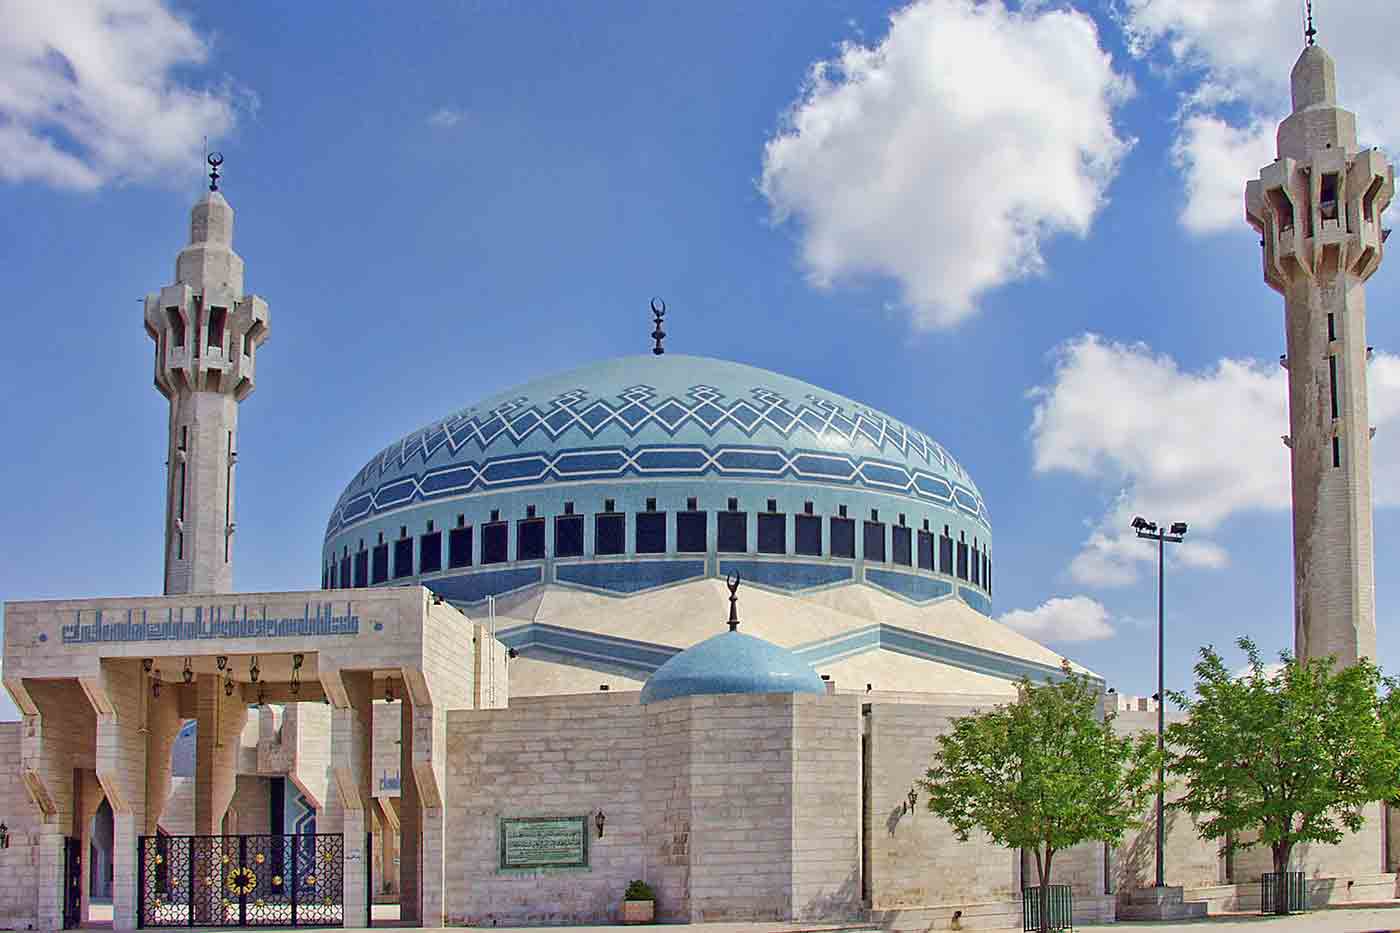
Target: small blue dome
[(731, 663)]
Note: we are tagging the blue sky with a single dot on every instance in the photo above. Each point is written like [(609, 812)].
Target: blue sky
[(1016, 226)]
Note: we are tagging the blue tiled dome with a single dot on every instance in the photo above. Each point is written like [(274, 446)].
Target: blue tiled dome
[(731, 663), (651, 417), (647, 471)]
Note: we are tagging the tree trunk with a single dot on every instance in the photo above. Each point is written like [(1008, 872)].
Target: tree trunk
[(1044, 867), (1281, 852)]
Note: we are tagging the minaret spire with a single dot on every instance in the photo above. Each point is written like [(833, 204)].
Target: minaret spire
[(1310, 33), (1318, 211), (206, 332)]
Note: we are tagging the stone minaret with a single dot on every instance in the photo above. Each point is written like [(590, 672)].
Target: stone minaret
[(207, 334), (1318, 211)]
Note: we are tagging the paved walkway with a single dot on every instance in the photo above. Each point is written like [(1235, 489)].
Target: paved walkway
[(1336, 920)]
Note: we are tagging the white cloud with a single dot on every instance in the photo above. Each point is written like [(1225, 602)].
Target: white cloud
[(1172, 445), (445, 117), (1076, 618), (945, 155), (1215, 160), (91, 91), (1234, 58)]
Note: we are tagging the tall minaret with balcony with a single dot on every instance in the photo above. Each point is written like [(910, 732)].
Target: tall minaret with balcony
[(207, 333), (1318, 211)]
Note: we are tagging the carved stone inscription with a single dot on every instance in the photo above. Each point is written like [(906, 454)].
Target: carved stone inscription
[(544, 842)]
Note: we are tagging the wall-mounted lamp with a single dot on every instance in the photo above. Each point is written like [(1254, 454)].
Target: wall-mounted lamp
[(146, 664), (4, 836), (253, 670), (228, 683), (188, 672), (913, 798), (389, 691), (155, 684), (221, 661), (297, 660), (598, 821), (512, 653), (437, 599)]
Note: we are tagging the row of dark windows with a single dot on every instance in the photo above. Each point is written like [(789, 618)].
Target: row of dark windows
[(909, 547)]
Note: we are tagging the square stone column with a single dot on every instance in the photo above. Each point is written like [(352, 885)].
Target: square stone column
[(410, 823), (352, 734), (120, 697), (220, 733)]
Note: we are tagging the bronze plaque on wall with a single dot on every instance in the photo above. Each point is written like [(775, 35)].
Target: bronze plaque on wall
[(544, 842)]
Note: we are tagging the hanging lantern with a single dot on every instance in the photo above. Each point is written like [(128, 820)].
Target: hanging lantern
[(188, 672)]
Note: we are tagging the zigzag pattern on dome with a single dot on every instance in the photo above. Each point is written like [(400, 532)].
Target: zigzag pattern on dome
[(642, 406), (817, 466)]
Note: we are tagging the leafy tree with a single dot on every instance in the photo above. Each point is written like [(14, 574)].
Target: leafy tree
[(1278, 758), (1044, 773)]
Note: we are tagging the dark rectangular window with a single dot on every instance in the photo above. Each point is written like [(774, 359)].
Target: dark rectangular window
[(568, 535), (1332, 373), (875, 541), (987, 575), (362, 568), (403, 558), (690, 532), (1336, 451), (216, 327), (962, 560), (430, 553), (610, 533), (326, 577), (177, 325), (459, 547), (345, 573), (902, 545), (381, 563), (976, 565), (945, 552), (772, 533), (733, 532), (843, 537), (495, 543), (807, 531), (529, 539), (651, 531), (925, 550), (1332, 325)]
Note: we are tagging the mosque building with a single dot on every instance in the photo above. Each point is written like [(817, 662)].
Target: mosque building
[(659, 617)]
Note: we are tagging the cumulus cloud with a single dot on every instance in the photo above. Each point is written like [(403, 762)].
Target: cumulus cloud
[(1234, 59), (1174, 445), (93, 91), (1074, 618), (944, 156), (445, 117)]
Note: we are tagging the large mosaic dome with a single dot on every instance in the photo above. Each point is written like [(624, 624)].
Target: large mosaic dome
[(643, 481)]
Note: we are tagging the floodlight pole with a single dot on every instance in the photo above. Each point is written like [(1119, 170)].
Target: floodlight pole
[(1152, 532)]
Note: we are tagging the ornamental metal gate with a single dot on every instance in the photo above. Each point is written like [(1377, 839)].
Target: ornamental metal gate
[(241, 881)]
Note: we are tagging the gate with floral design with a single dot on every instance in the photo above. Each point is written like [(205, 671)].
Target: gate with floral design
[(241, 881)]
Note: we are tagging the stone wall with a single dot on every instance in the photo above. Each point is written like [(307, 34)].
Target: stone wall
[(826, 821), (918, 872), (545, 758), (19, 876)]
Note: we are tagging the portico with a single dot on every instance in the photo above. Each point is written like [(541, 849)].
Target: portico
[(104, 686)]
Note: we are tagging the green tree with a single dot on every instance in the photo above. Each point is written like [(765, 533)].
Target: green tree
[(1278, 758), (1043, 773)]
